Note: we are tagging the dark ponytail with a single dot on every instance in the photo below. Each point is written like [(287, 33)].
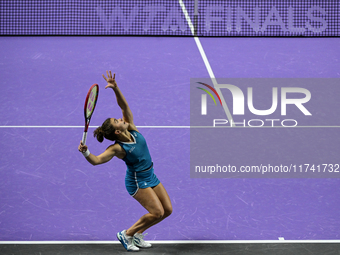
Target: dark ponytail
[(105, 131), (99, 134)]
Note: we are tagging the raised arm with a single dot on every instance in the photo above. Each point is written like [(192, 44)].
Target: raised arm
[(111, 83)]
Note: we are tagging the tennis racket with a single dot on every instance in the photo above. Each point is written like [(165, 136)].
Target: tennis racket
[(90, 104)]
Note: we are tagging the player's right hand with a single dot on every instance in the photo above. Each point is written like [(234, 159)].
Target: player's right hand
[(82, 147)]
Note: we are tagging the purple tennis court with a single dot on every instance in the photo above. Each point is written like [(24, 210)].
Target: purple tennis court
[(49, 193)]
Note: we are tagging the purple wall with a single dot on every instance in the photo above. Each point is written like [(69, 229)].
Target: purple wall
[(163, 17), (48, 190)]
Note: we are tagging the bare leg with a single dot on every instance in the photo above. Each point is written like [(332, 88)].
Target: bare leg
[(149, 200), (166, 203)]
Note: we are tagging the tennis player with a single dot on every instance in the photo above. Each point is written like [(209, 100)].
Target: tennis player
[(140, 180)]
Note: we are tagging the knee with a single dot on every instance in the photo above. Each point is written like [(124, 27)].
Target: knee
[(158, 214), (167, 212)]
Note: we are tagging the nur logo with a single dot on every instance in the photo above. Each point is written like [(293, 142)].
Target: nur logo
[(204, 97), (243, 103)]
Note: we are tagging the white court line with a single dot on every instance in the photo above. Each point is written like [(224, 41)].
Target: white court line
[(176, 242), (184, 127), (206, 61), (89, 126)]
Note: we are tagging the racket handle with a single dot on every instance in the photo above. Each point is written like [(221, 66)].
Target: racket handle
[(84, 138)]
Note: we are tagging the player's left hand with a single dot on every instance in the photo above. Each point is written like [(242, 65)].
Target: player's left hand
[(111, 81)]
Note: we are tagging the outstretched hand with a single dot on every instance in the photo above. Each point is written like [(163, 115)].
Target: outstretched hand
[(111, 82)]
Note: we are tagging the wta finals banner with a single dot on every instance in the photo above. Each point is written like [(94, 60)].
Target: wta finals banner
[(163, 17), (264, 128)]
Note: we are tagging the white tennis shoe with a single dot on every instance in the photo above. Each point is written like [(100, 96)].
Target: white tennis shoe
[(127, 241), (138, 240)]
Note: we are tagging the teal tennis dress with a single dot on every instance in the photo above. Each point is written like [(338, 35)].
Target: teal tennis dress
[(140, 172)]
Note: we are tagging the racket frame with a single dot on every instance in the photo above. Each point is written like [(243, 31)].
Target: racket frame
[(88, 118)]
